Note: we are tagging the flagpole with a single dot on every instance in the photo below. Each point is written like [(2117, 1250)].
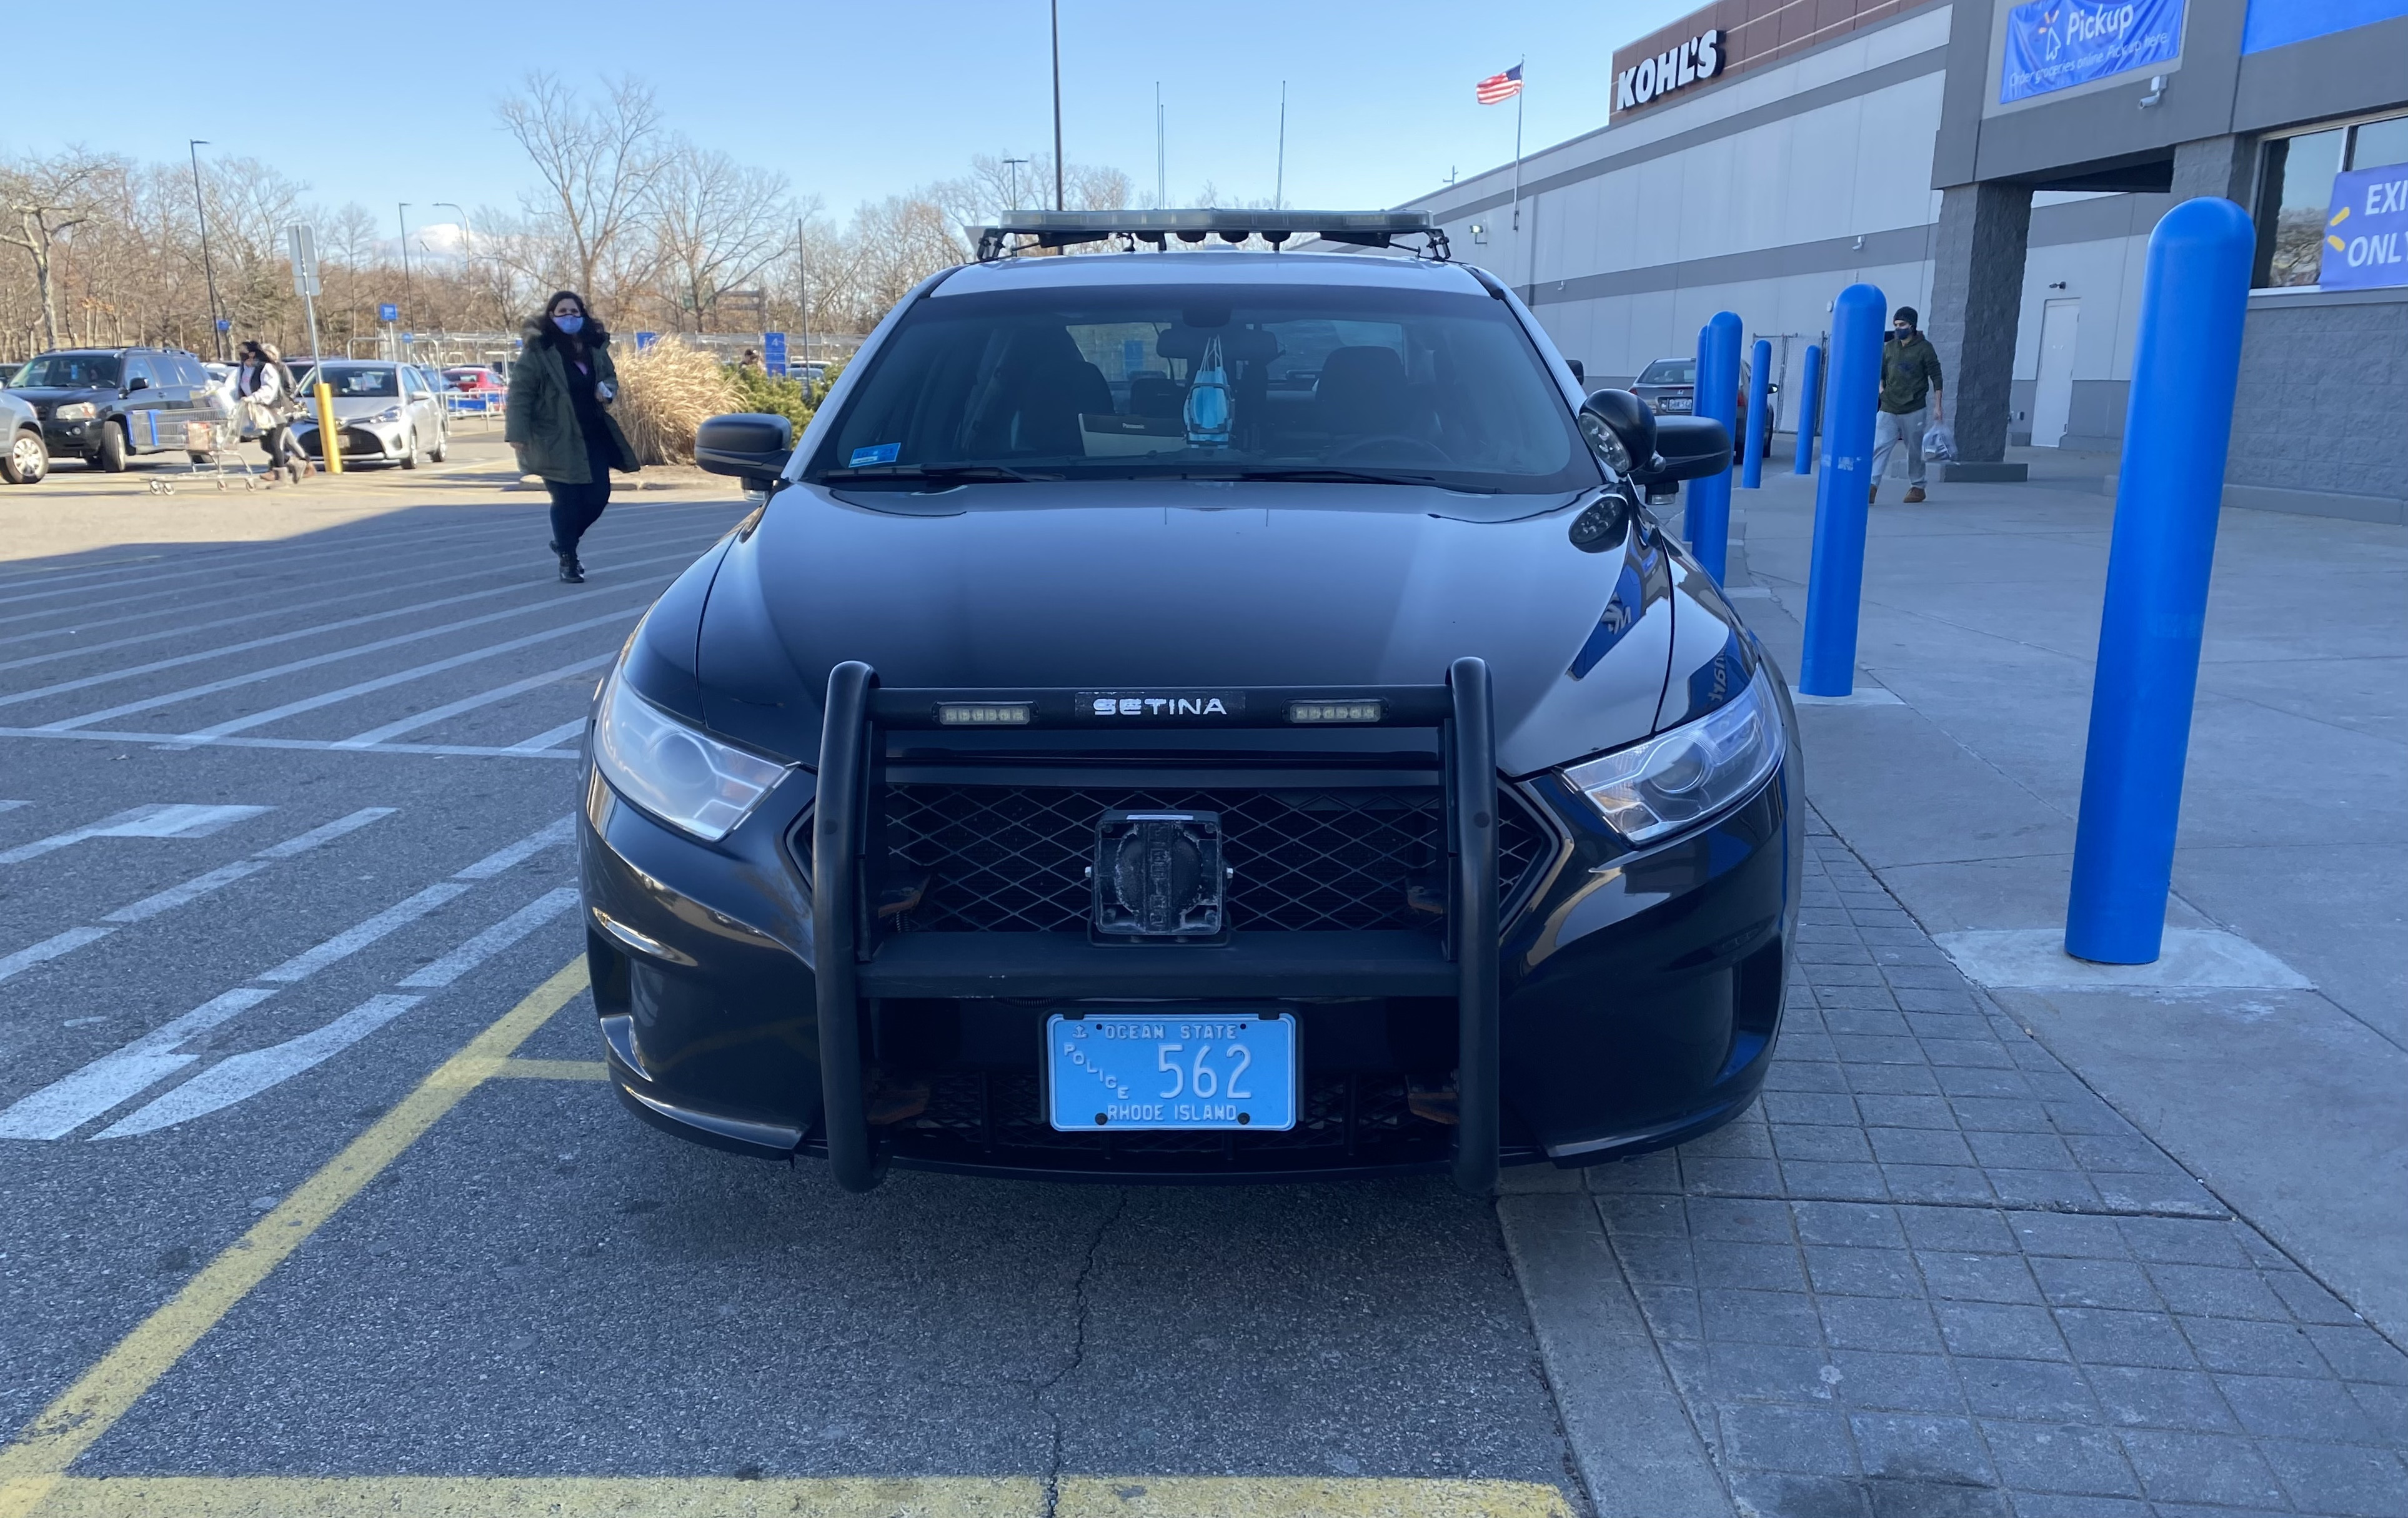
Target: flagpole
[(1517, 145)]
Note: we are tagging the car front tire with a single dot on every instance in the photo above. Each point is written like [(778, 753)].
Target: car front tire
[(409, 454), (27, 460), (111, 457)]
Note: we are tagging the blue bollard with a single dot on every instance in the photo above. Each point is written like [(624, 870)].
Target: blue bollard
[(1759, 424), (2186, 365), (1834, 585), (1810, 410), (1717, 396)]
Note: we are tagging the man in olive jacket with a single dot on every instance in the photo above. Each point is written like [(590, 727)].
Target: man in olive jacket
[(559, 425), (1910, 368)]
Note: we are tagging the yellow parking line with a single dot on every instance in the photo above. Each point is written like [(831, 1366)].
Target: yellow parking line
[(33, 1463), (553, 1069), (849, 1496)]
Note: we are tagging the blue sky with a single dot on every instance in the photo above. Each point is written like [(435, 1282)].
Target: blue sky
[(851, 101)]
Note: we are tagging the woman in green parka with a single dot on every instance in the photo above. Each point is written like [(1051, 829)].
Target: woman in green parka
[(562, 385)]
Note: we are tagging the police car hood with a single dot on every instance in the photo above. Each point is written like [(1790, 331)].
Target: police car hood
[(1188, 586)]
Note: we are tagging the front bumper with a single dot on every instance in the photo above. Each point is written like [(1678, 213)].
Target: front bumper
[(1639, 995), (368, 445)]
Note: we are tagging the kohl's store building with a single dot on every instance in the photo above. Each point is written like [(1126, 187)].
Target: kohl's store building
[(1999, 165)]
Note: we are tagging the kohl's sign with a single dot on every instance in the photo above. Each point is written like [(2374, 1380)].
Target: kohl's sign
[(2057, 44), (2366, 235), (1693, 62)]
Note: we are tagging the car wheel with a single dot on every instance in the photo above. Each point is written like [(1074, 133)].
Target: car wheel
[(112, 449), (410, 456), (27, 461), (442, 447)]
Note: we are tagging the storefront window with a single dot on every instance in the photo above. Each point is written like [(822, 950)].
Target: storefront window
[(2295, 192)]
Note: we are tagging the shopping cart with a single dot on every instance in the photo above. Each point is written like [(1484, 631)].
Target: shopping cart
[(210, 447)]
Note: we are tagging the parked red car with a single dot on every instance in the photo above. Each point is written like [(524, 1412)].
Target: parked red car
[(473, 378)]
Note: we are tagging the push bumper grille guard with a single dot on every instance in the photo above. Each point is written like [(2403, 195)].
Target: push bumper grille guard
[(852, 962)]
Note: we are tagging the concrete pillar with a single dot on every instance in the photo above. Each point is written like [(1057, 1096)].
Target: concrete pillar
[(2225, 166), (1977, 290)]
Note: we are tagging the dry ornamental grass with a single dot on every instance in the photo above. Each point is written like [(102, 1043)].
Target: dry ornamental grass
[(665, 393)]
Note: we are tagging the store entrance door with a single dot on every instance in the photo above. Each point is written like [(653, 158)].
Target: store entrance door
[(2053, 398)]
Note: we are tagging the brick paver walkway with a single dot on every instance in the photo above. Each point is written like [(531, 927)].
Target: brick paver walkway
[(1933, 1274)]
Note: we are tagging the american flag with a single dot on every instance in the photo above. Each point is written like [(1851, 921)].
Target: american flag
[(1497, 88)]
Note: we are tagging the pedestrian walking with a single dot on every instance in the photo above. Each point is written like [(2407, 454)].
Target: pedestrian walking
[(268, 400), (562, 385), (1910, 372)]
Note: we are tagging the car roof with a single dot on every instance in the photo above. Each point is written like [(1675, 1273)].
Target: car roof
[(1233, 268)]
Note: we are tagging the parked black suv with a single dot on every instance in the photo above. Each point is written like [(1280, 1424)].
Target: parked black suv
[(104, 405)]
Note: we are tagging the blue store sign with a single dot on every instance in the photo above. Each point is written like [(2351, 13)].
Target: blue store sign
[(2278, 24), (773, 354), (2366, 234), (2057, 44)]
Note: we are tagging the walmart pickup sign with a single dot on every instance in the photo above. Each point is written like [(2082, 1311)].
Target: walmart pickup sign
[(2057, 44), (2366, 231)]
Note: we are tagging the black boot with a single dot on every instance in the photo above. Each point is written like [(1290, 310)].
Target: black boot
[(570, 570)]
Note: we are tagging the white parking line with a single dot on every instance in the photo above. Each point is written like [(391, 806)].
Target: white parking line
[(485, 945), (75, 1099), (12, 806), (448, 547), (306, 745), (545, 741), (547, 602), (192, 890), (352, 941), (558, 831), (49, 948), (471, 703), (231, 1080), (353, 593), (403, 676), (67, 1103), (255, 677), (156, 820)]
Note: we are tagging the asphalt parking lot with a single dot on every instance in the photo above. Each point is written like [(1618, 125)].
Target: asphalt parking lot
[(283, 833)]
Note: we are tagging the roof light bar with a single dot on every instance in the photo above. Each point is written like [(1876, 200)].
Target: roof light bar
[(1060, 229)]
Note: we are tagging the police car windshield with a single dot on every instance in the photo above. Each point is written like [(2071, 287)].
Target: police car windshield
[(73, 371), (1348, 385)]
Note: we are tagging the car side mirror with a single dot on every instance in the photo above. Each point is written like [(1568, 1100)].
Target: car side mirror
[(754, 446), (1688, 447), (1580, 370), (138, 382), (1626, 418)]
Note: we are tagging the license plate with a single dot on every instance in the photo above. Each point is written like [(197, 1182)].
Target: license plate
[(1673, 403), (1197, 1070)]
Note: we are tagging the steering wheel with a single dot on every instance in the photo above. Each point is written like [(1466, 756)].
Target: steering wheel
[(1393, 448)]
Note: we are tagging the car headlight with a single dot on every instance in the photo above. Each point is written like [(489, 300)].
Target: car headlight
[(688, 780), (391, 413), (1680, 777), (77, 411)]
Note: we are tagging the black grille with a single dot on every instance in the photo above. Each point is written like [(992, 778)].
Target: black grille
[(1013, 859), (1343, 1122)]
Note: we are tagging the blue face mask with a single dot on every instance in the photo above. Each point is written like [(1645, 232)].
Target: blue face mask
[(568, 324)]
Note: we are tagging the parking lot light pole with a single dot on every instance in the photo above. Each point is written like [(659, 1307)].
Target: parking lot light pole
[(1059, 204), (1835, 582), (2177, 430), (408, 298), (208, 269)]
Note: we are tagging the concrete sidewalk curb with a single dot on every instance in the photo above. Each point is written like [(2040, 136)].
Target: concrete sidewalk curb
[(1638, 1453)]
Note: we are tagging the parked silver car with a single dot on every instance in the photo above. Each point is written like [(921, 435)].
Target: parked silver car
[(387, 411)]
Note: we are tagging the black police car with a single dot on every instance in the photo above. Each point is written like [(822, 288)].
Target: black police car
[(1228, 715), (104, 405)]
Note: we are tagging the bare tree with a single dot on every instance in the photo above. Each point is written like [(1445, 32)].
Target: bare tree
[(715, 224), (598, 164), (45, 199)]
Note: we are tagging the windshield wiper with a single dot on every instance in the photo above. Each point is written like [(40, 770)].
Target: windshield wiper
[(951, 474), (1342, 477)]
